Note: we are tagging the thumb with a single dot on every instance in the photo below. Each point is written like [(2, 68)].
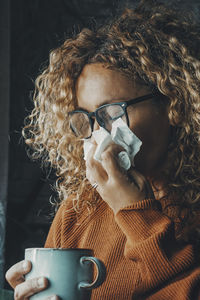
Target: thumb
[(110, 160)]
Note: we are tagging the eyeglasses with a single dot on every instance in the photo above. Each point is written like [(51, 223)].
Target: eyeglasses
[(82, 122)]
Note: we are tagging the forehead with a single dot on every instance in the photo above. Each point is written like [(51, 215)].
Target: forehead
[(97, 85)]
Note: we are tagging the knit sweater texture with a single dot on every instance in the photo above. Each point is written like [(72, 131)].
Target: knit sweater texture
[(138, 245)]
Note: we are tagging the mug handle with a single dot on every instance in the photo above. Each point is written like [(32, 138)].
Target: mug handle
[(101, 273)]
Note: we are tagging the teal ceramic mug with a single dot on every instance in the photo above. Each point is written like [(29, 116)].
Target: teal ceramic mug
[(69, 271)]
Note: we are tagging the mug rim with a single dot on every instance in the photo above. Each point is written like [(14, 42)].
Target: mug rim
[(59, 249)]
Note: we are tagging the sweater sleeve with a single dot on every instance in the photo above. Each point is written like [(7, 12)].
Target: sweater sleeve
[(168, 269)]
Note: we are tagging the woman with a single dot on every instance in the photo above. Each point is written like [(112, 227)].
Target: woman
[(142, 223)]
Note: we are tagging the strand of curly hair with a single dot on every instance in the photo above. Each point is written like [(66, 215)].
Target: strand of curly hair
[(150, 43)]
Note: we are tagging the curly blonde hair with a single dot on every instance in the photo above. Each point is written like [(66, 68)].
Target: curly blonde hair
[(150, 43)]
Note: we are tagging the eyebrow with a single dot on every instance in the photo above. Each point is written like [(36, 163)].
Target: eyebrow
[(105, 102)]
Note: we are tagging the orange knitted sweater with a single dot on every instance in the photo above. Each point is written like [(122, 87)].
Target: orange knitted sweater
[(143, 258)]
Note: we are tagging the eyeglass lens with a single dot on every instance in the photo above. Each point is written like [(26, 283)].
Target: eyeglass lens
[(80, 125), (105, 116)]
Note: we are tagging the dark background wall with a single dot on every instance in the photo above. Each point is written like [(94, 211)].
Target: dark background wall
[(36, 27), (4, 122)]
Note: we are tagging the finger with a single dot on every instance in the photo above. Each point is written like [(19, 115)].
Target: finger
[(110, 160), (141, 182), (95, 172), (137, 178), (15, 274), (94, 169), (30, 287), (53, 297), (115, 148)]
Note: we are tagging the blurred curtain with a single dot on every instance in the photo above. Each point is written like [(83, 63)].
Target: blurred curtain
[(4, 124)]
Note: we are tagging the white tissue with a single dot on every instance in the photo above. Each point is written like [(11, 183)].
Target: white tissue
[(103, 139), (87, 145), (121, 135)]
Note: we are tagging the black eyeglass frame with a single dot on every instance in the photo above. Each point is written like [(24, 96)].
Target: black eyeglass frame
[(123, 104)]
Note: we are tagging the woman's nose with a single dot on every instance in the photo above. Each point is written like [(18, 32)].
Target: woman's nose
[(96, 125)]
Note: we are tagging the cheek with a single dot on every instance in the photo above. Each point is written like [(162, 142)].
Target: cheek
[(154, 132)]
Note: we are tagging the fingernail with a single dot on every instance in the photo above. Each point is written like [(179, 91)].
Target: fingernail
[(40, 282), (25, 265), (53, 298)]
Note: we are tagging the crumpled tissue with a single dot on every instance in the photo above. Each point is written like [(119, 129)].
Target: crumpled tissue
[(121, 135)]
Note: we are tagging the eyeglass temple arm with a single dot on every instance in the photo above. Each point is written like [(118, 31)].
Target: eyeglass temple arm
[(142, 98)]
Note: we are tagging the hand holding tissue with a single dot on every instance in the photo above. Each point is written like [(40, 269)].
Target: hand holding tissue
[(121, 135)]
